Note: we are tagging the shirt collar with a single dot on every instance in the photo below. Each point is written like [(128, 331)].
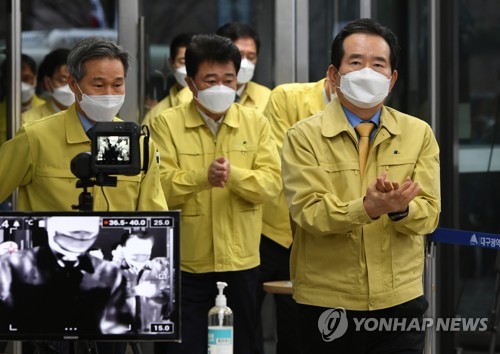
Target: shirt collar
[(354, 120), (86, 124), (83, 262), (147, 266), (212, 124), (54, 106), (239, 92), (325, 96)]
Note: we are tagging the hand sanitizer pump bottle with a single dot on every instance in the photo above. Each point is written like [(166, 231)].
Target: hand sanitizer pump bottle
[(220, 325)]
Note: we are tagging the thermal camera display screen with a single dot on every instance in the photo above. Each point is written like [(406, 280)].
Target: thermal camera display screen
[(113, 149), (89, 275)]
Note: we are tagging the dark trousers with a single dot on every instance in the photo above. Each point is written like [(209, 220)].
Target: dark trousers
[(198, 292), (363, 341), (275, 265)]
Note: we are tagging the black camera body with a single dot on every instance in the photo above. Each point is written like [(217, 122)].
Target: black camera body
[(116, 149)]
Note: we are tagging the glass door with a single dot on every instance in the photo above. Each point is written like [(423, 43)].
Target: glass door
[(164, 19), (4, 80), (478, 140)]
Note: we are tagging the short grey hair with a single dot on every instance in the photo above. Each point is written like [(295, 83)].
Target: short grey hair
[(93, 48)]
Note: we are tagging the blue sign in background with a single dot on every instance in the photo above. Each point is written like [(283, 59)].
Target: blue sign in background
[(467, 238)]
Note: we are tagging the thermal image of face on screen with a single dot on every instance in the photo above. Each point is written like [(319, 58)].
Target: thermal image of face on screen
[(89, 276), (113, 149)]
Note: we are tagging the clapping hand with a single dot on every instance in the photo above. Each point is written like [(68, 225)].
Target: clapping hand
[(384, 196)]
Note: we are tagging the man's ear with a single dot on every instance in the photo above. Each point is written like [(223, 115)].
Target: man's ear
[(47, 84), (72, 85), (332, 74), (393, 79), (191, 85)]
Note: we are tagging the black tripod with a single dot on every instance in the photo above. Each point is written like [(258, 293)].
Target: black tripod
[(80, 166), (85, 199)]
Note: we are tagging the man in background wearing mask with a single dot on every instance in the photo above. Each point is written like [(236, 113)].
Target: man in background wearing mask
[(178, 67), (358, 249), (54, 74), (28, 97), (288, 103), (218, 166), (37, 159), (147, 283), (248, 93)]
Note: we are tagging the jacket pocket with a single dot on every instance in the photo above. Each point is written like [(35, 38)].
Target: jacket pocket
[(242, 155), (335, 262), (190, 159), (339, 176), (340, 167), (54, 172), (132, 179), (190, 209), (398, 167), (247, 224)]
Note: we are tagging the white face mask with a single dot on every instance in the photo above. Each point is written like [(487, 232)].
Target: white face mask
[(27, 92), (216, 99), (180, 76), (101, 108), (137, 252), (64, 95), (364, 88), (246, 71), (72, 236)]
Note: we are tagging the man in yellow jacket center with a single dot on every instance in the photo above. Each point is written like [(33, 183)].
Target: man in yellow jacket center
[(219, 164)]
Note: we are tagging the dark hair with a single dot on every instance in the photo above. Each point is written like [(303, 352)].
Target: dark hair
[(237, 30), (25, 60), (181, 40), (210, 48), (138, 233), (92, 48), (368, 26), (52, 61)]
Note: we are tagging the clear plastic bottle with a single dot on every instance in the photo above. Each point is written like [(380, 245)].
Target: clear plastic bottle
[(220, 325)]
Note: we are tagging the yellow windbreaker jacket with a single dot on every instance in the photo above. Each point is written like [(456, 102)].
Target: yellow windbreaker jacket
[(36, 101), (255, 96), (340, 257), (220, 227), (175, 97), (288, 104), (38, 160), (35, 113)]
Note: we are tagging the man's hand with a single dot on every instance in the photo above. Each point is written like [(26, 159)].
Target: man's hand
[(218, 172), (384, 196)]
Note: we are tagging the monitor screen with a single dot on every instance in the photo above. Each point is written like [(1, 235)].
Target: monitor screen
[(113, 149), (89, 276)]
